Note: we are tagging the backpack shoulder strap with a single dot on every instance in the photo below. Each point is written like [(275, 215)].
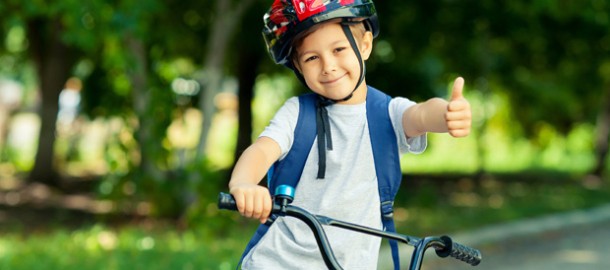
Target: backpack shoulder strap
[(288, 171), (386, 157), (384, 143)]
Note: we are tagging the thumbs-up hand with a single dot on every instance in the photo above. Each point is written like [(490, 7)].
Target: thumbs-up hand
[(459, 115)]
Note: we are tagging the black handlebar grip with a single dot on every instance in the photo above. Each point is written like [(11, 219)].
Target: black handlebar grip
[(226, 201), (463, 253), (469, 255)]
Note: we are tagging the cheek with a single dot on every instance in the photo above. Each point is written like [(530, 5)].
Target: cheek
[(309, 71), (309, 76), (349, 58)]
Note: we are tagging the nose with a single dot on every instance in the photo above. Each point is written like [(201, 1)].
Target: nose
[(329, 65)]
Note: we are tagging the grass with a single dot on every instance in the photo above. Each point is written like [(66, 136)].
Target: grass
[(100, 247), (434, 208), (427, 206)]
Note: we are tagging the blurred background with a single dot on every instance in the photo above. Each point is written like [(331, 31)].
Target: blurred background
[(120, 121)]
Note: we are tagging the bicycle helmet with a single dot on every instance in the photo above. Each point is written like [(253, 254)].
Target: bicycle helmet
[(288, 18)]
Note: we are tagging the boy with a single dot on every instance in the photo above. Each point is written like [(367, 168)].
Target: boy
[(326, 43)]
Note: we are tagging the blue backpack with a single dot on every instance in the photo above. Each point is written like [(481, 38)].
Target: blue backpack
[(385, 153)]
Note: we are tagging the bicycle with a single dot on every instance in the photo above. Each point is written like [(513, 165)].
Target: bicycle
[(443, 245)]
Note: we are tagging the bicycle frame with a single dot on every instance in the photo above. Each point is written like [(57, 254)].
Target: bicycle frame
[(443, 245)]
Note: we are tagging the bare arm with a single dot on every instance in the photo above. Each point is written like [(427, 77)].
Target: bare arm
[(425, 117), (253, 200), (438, 115)]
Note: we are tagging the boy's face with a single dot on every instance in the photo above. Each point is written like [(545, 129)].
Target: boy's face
[(329, 65)]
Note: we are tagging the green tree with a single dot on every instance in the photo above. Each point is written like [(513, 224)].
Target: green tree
[(545, 55), (53, 53)]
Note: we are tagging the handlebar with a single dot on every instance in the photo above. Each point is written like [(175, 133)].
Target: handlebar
[(444, 245)]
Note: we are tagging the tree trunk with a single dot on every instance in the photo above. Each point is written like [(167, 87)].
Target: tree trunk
[(53, 60), (247, 71), (141, 101), (4, 125), (484, 57), (603, 134), (222, 31), (218, 42)]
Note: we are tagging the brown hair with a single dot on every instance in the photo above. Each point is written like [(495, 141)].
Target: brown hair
[(357, 28)]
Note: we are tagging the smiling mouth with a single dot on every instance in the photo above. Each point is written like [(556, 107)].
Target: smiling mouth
[(333, 80)]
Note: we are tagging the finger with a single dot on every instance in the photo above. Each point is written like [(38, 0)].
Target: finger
[(455, 125), (267, 205), (458, 116), (239, 202), (249, 207), (456, 92), (459, 133), (257, 207), (458, 105)]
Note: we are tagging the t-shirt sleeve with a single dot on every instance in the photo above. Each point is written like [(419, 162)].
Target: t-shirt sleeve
[(415, 145), (281, 127)]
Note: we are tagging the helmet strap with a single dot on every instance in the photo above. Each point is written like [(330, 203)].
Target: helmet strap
[(345, 24), (322, 123)]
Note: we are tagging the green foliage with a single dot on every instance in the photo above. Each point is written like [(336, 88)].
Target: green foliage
[(539, 53), (101, 247), (532, 68), (425, 208), (497, 144)]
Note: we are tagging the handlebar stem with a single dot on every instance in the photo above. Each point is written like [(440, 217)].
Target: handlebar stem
[(418, 253), (316, 227)]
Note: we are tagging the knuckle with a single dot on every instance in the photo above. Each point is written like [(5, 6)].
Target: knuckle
[(266, 207)]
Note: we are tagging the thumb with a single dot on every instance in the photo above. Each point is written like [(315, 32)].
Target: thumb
[(457, 91)]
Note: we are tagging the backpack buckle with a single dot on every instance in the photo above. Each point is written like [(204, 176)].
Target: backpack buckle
[(387, 209)]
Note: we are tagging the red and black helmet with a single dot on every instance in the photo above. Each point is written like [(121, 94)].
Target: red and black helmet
[(287, 18)]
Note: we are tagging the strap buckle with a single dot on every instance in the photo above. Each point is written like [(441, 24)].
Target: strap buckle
[(387, 210)]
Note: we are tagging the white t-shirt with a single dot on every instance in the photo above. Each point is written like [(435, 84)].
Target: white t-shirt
[(348, 193)]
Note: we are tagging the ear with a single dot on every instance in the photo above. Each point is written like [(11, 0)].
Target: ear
[(366, 45)]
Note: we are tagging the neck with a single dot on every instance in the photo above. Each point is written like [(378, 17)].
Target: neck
[(359, 96)]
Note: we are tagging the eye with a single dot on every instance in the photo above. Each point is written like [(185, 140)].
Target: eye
[(340, 49), (311, 58)]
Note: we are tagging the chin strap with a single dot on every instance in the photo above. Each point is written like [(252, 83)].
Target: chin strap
[(325, 139), (322, 122)]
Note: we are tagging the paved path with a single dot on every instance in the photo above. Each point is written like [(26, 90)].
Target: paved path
[(574, 240)]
